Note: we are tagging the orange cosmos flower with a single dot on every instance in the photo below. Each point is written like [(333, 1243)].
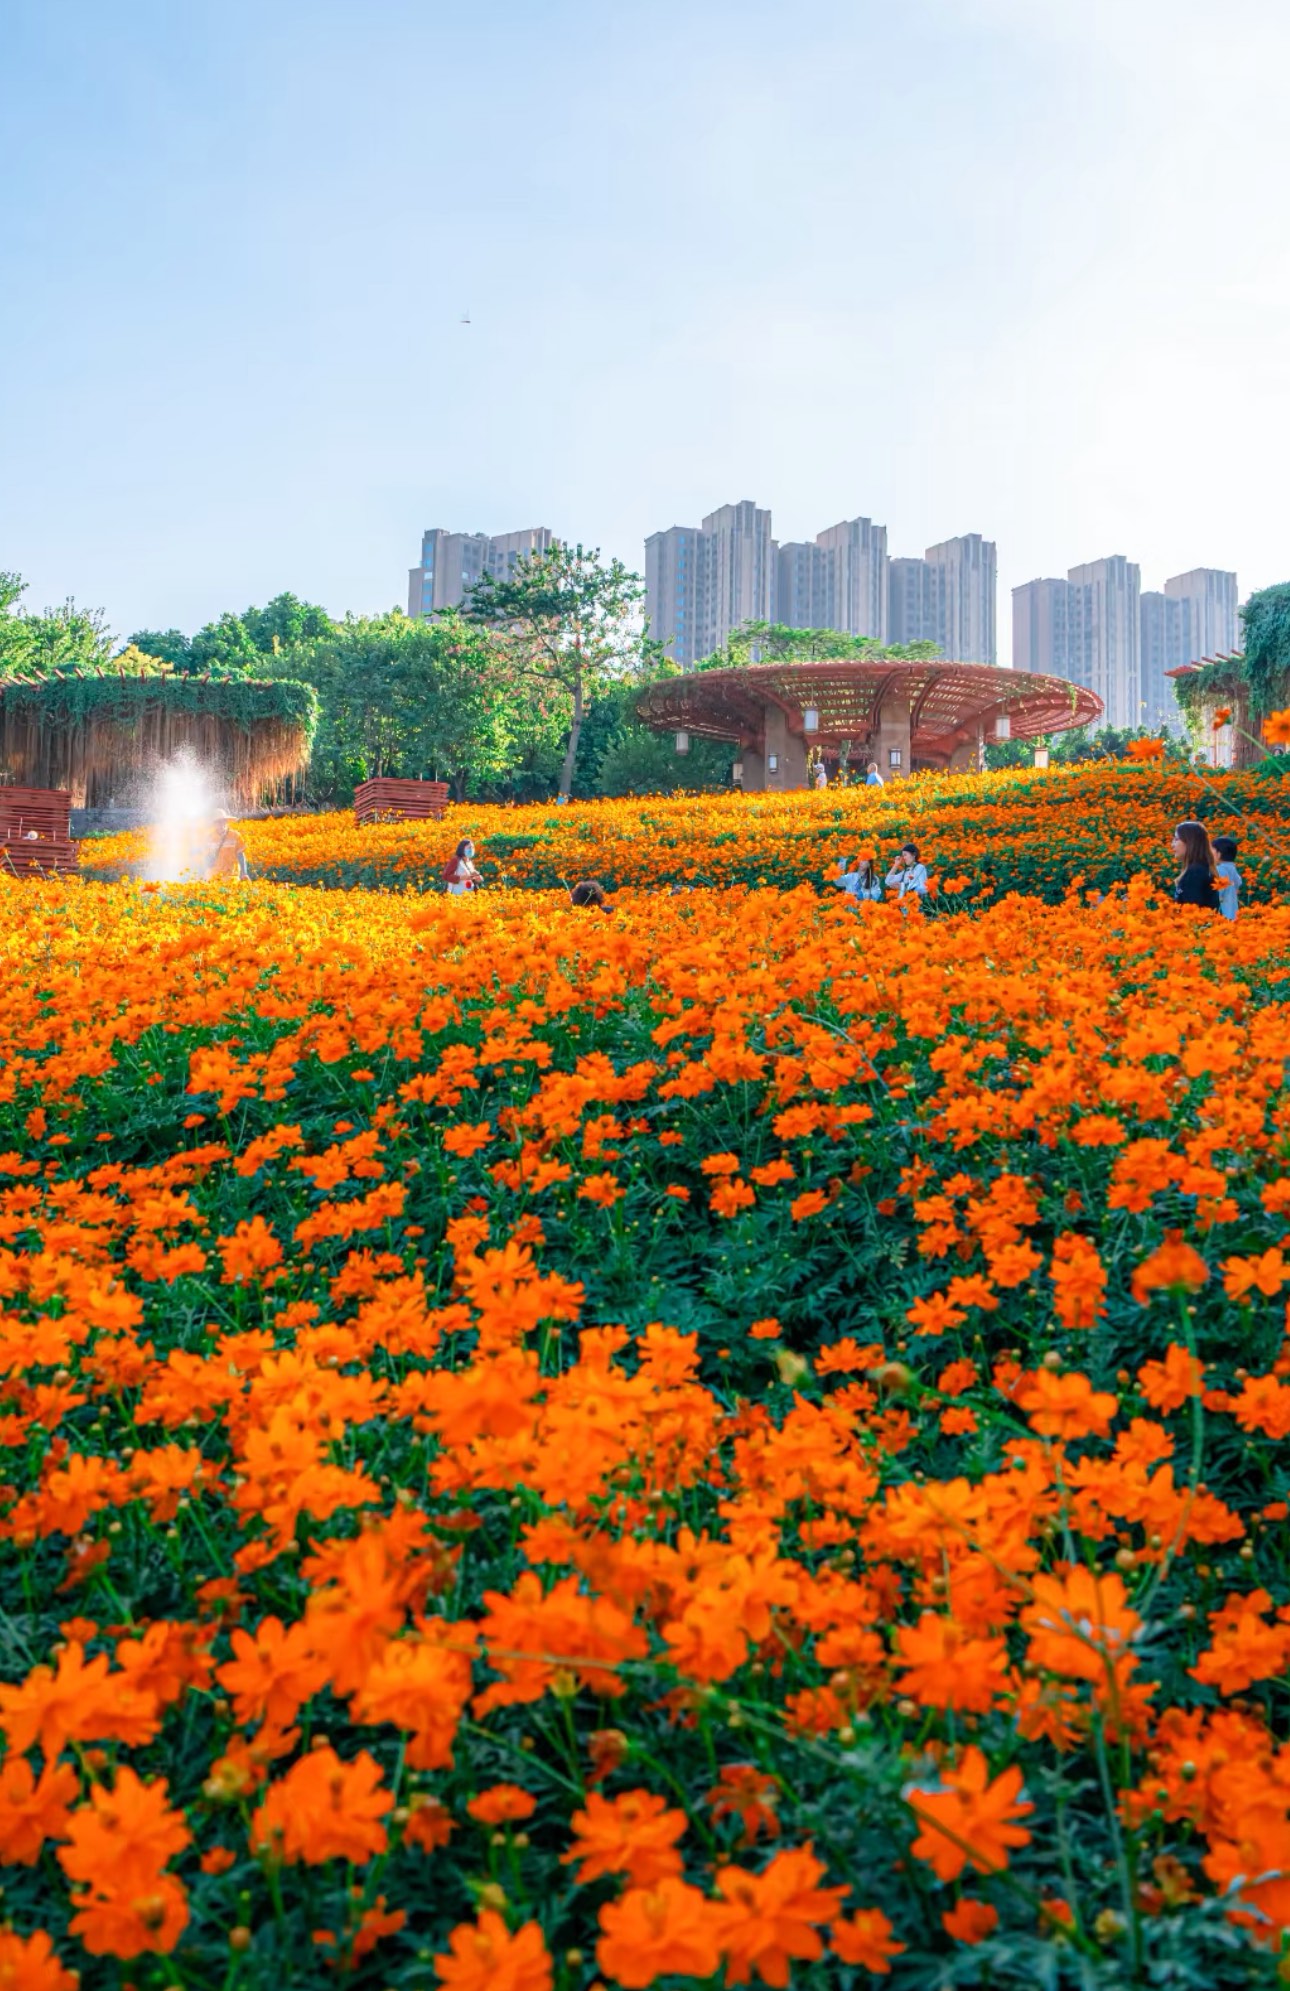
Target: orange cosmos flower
[(658, 1931), (502, 1804), (808, 1204), (970, 1921), (467, 1138), (1065, 1406), (942, 1667), (969, 1820), (1167, 1385), (32, 1812), (604, 1189), (1276, 728), (634, 1833), (730, 1197), (1079, 1280), (252, 1250), (324, 1809), (748, 1794), (866, 1940), (1266, 1274), (485, 1956), (1145, 750), (1173, 1267), (722, 1164), (273, 1672), (142, 1921), (429, 1826), (29, 1963), (773, 1917), (765, 1330), (1080, 1624)]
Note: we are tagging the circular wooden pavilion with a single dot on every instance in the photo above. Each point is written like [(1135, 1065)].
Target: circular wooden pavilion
[(905, 716)]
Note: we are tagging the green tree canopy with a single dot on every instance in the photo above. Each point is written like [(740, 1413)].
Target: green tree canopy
[(568, 626), (776, 642), (170, 645), (60, 639)]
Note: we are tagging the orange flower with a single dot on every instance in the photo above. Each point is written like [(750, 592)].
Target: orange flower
[(1266, 1274), (774, 1916), (467, 1138), (1080, 1624), (634, 1833), (1065, 1406), (729, 1198), (1221, 716), (969, 1820), (273, 1673), (866, 1941), (748, 1794), (1173, 1267), (1145, 750), (1167, 1385), (668, 1929), (429, 1825), (765, 1330), (809, 1204), (970, 1921), (29, 1963), (485, 1956), (117, 1847), (32, 1812), (943, 1667), (604, 1189), (324, 1809), (502, 1804), (1276, 728), (252, 1249)]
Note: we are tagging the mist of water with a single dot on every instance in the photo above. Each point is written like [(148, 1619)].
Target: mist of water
[(182, 803)]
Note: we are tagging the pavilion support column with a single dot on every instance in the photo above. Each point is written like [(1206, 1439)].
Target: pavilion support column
[(891, 735), (788, 749), (966, 757), (754, 766)]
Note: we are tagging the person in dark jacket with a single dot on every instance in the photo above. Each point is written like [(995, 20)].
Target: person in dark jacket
[(1197, 883)]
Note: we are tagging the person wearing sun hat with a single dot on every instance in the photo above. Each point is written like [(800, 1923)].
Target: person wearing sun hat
[(226, 854)]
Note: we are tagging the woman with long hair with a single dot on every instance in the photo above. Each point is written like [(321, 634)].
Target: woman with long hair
[(1197, 883), (459, 873)]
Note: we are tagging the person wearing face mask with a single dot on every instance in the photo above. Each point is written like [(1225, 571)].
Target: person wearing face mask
[(459, 873)]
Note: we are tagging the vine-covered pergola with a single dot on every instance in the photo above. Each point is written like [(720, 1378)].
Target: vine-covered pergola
[(100, 736), (903, 715)]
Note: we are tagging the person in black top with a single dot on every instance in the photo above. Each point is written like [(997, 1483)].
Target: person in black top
[(1197, 882)]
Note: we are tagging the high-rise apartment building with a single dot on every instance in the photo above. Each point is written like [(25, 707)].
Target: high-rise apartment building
[(1087, 628), (838, 580), (704, 582), (911, 609), (1165, 644), (963, 579), (451, 563), (1210, 597), (947, 598)]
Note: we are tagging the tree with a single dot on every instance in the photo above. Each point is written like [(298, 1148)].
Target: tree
[(242, 642), (61, 639), (403, 697), (568, 626), (171, 645), (776, 642)]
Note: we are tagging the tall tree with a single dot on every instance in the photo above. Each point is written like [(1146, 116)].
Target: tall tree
[(64, 638), (569, 625), (171, 645)]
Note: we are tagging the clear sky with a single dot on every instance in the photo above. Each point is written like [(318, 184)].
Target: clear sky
[(1013, 266)]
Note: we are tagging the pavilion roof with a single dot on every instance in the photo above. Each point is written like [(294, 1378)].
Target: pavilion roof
[(947, 701)]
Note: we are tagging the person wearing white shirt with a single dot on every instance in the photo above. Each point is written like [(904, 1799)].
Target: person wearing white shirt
[(908, 874), (858, 878)]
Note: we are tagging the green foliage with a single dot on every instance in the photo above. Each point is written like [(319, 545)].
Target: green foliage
[(1266, 617), (1080, 744), (567, 624), (244, 642), (65, 638), (413, 698), (776, 642), (171, 646), (242, 702)]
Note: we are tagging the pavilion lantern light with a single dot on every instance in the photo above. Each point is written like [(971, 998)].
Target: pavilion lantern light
[(811, 719), (1003, 727), (683, 742), (1041, 756), (772, 763), (893, 756), (737, 773)]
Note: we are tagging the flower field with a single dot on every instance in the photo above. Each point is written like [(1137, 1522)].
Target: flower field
[(744, 1442), (985, 834)]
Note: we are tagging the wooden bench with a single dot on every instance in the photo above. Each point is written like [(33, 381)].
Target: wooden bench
[(35, 832), (389, 801)]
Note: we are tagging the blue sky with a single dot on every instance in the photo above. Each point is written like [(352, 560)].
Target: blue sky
[(1013, 266)]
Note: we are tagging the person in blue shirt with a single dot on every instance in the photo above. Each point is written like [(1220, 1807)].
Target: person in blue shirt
[(1229, 878), (873, 779)]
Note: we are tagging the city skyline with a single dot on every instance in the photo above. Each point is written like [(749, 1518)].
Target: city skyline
[(1007, 348)]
